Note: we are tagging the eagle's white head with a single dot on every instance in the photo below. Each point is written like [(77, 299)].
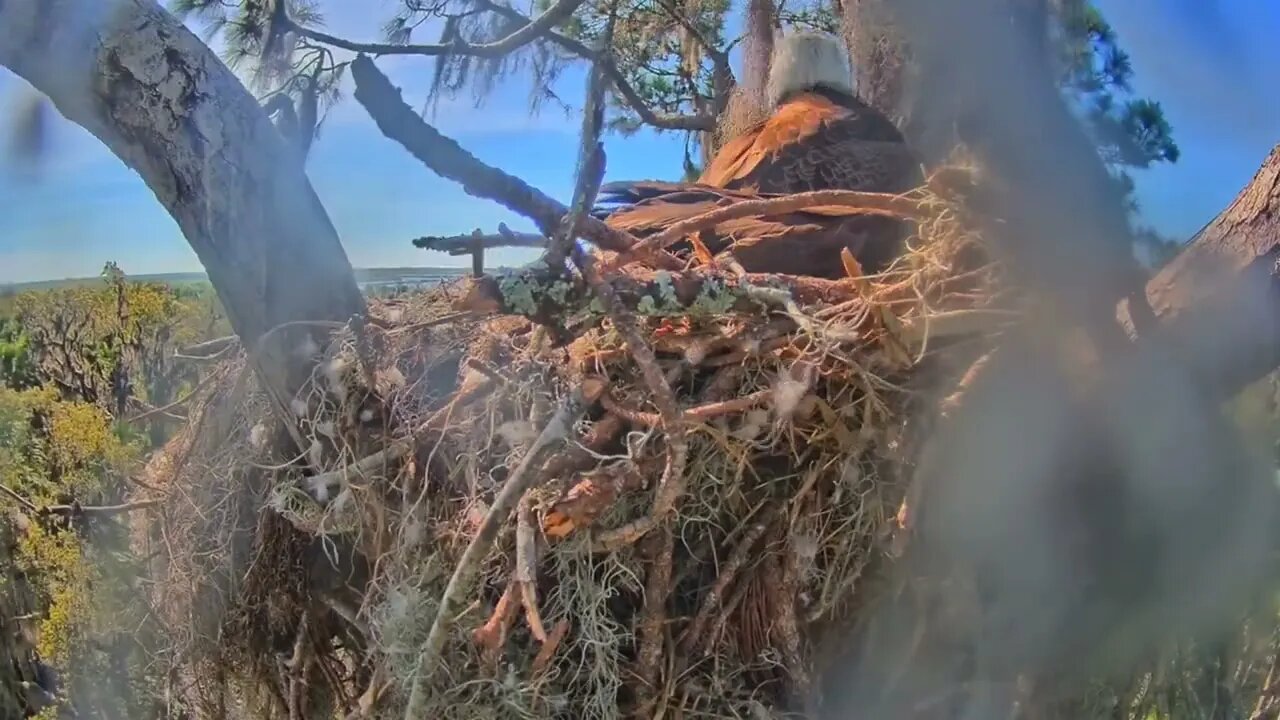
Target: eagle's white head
[(808, 60)]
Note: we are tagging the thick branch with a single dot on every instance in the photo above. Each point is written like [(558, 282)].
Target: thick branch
[(1219, 300), (162, 101), (448, 159), (464, 244)]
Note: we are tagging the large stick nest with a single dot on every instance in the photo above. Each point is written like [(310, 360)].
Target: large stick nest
[(796, 400), (304, 571)]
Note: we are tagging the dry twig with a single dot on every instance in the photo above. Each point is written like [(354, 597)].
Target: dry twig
[(466, 244), (524, 476), (872, 203), (526, 572)]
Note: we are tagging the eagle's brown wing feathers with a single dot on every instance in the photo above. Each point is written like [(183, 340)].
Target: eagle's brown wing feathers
[(797, 243), (814, 143)]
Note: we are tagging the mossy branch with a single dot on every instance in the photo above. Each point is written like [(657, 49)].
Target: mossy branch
[(448, 159), (549, 297)]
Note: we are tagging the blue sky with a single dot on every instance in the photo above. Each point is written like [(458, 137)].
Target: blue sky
[(1206, 61)]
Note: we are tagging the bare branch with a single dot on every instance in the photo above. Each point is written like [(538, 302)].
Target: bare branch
[(208, 350), (465, 244), (76, 509), (532, 30), (164, 409), (591, 160), (521, 480), (449, 160), (19, 498), (704, 121)]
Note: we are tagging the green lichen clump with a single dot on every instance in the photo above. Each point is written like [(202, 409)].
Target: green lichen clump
[(715, 297), (519, 292), (533, 292)]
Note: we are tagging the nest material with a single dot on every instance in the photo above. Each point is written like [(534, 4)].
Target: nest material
[(302, 593), (301, 567)]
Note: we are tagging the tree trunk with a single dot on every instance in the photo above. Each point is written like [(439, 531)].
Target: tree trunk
[(881, 59), (1218, 301), (135, 77), (747, 102)]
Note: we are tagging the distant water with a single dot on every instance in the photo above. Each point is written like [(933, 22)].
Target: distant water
[(406, 283)]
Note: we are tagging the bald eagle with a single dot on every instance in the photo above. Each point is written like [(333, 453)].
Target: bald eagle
[(819, 136)]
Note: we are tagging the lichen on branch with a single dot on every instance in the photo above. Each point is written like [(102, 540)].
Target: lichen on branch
[(548, 297)]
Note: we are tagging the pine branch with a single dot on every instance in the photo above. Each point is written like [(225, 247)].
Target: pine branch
[(540, 28), (702, 121), (719, 58), (531, 30)]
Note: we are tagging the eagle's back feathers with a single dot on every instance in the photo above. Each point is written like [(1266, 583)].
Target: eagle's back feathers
[(804, 242), (814, 142), (819, 137)]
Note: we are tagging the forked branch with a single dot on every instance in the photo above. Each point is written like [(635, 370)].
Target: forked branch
[(448, 159)]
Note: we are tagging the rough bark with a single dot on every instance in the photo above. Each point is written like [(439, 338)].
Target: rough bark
[(135, 77), (747, 103), (1218, 301), (881, 59)]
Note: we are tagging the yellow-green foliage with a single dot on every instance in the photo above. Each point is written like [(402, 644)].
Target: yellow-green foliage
[(52, 451), (56, 558), (78, 336), (98, 352), (1256, 411)]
